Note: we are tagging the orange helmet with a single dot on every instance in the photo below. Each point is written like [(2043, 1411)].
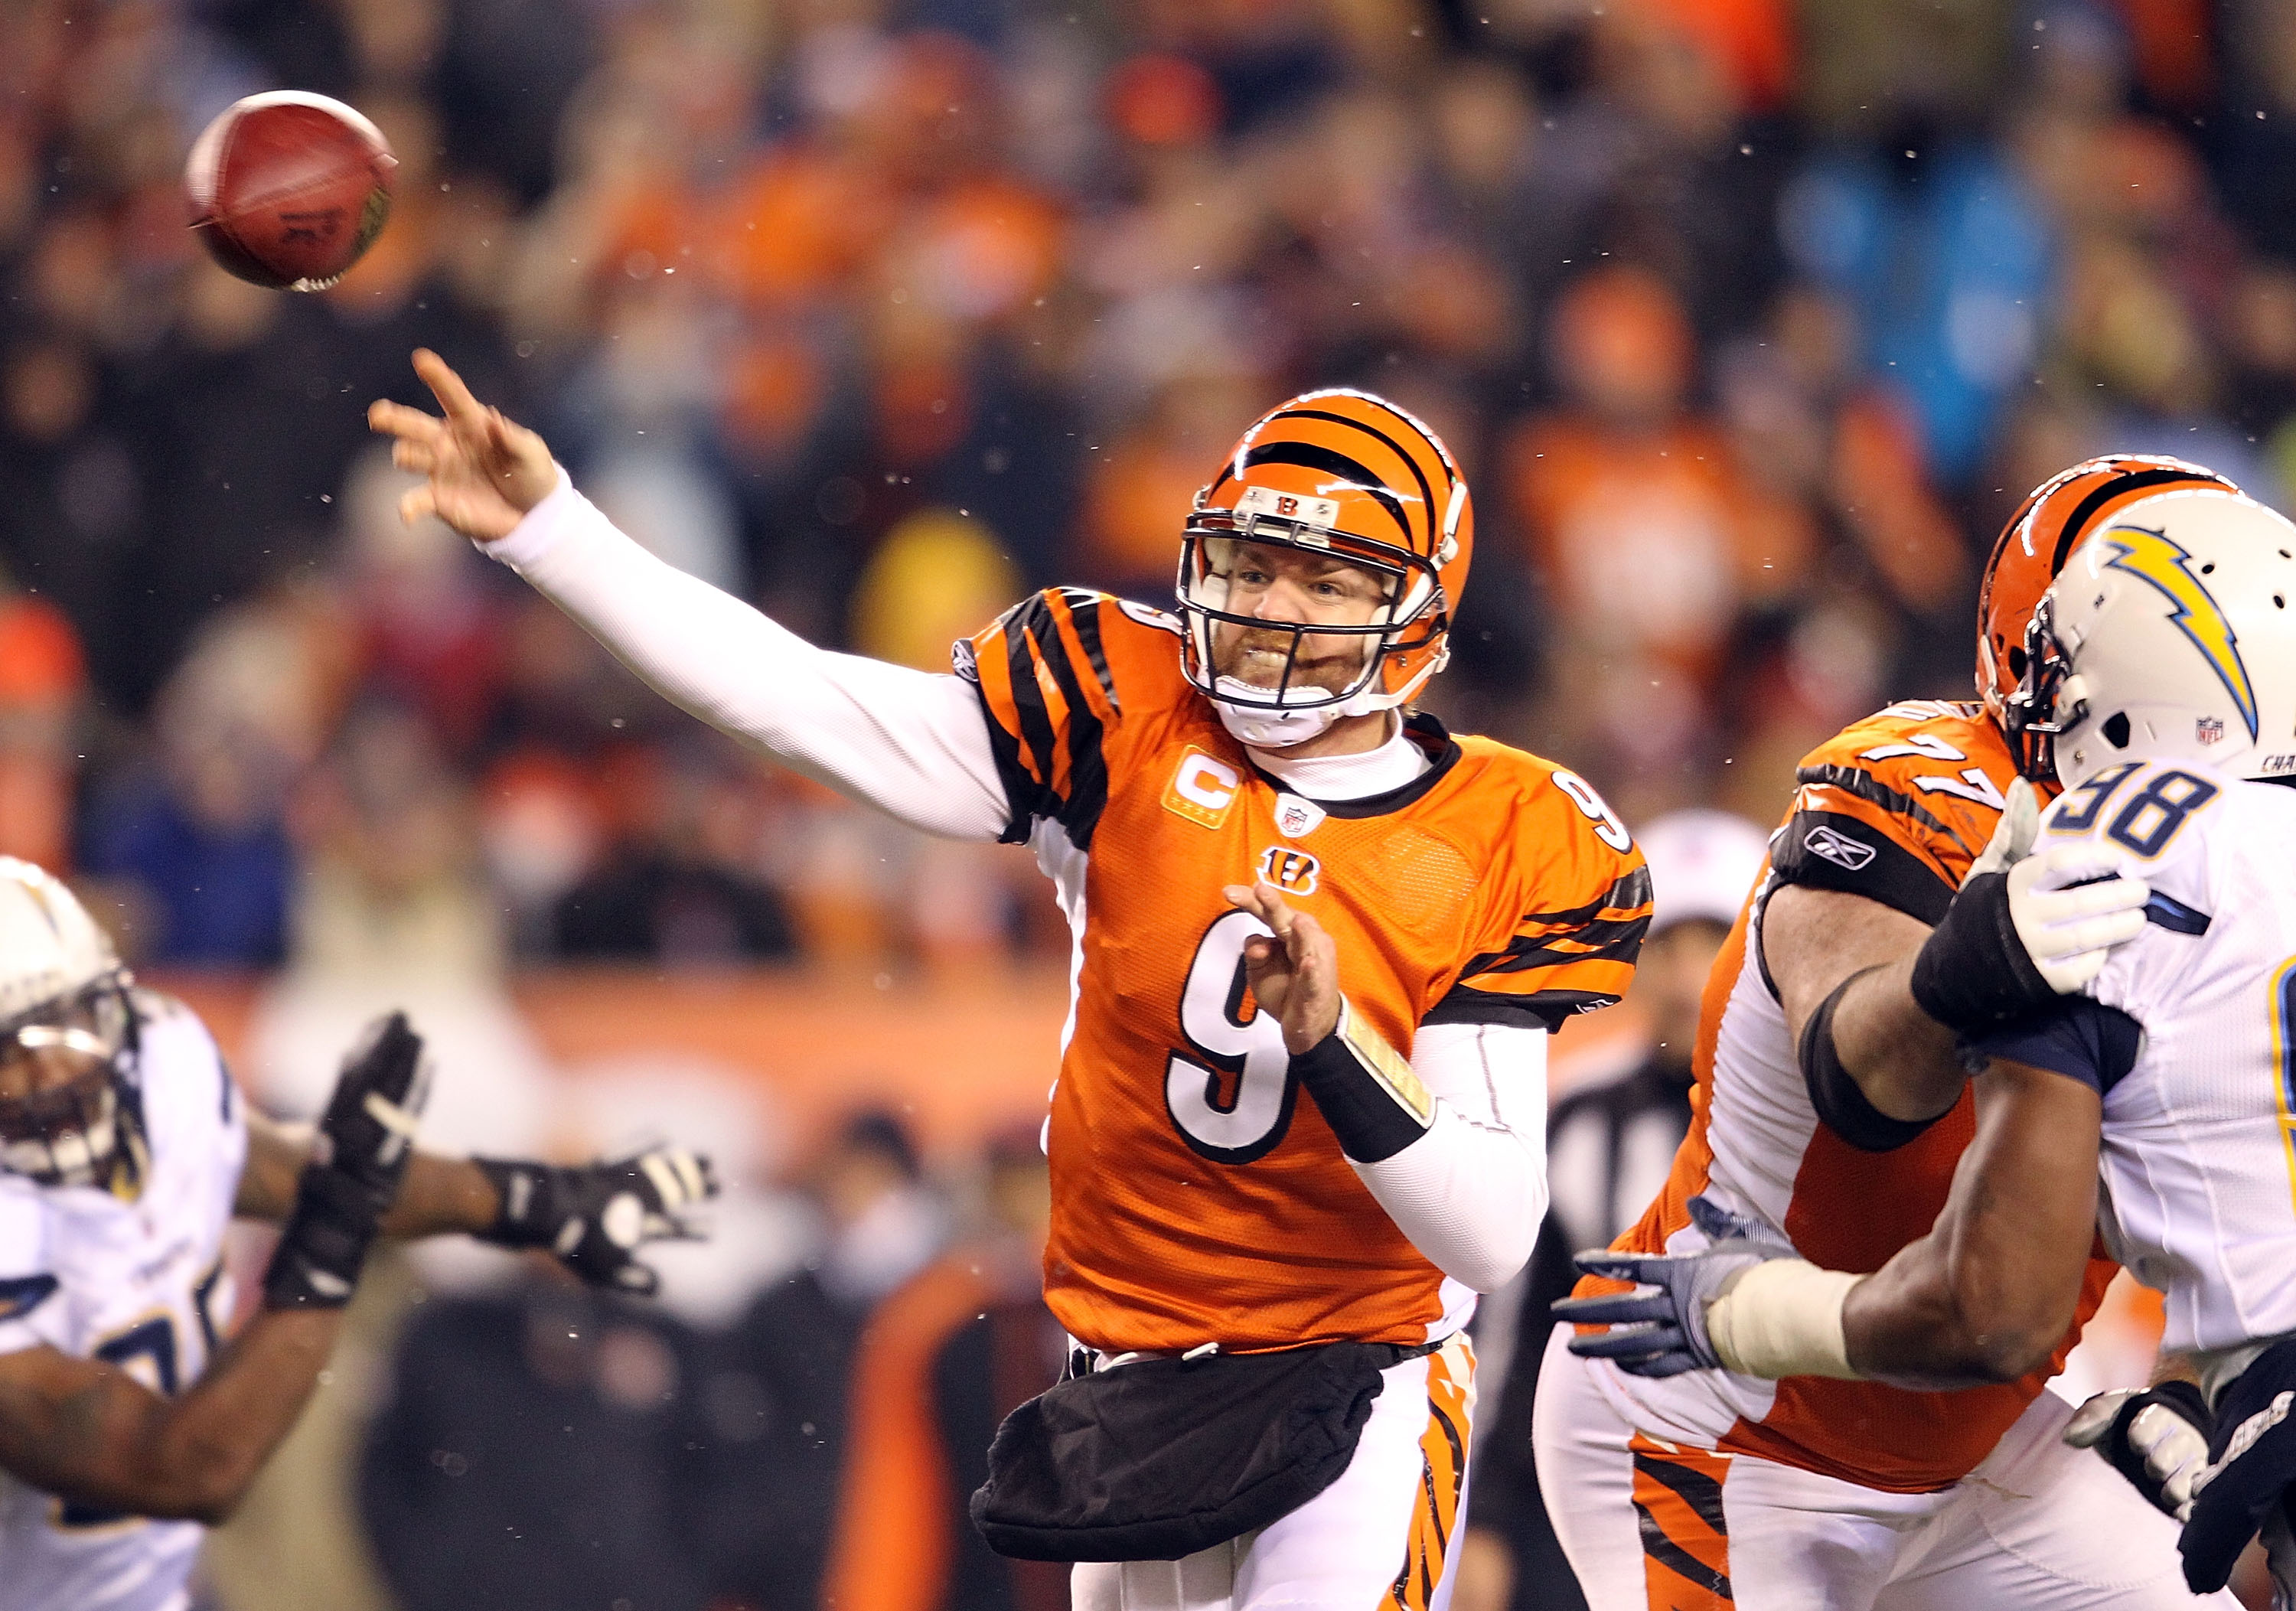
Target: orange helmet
[(2027, 556), (1347, 474)]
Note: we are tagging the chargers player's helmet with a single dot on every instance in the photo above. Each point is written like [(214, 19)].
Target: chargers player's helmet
[(2172, 635), (2027, 556), (1351, 475), (63, 990)]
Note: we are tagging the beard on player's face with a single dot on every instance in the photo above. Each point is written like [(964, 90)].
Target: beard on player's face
[(1258, 656), (1286, 586)]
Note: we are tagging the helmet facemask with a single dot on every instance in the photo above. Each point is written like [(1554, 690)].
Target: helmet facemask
[(1413, 615), (2029, 720), (86, 1130)]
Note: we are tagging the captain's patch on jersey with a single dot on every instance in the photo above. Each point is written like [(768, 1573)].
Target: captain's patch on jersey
[(1202, 788), (1293, 872)]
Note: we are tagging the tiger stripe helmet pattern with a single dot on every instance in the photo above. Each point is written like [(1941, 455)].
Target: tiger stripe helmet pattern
[(1350, 474), (2026, 558)]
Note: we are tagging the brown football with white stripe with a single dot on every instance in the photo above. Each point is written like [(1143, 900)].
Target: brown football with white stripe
[(288, 190)]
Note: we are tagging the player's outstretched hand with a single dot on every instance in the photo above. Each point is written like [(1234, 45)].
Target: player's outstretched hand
[(2253, 1463), (485, 471), (1294, 976), (2012, 942), (364, 1141), (595, 1217), (1662, 1333), (2158, 1438)]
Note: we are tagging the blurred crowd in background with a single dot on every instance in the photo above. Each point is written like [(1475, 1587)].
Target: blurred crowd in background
[(1748, 320)]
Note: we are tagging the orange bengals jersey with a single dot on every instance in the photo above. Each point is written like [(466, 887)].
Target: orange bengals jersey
[(1894, 808), (1197, 1198)]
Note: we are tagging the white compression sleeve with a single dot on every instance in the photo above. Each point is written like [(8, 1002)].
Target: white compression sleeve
[(1470, 1192), (911, 742)]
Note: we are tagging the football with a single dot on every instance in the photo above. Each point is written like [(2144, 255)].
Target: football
[(288, 190)]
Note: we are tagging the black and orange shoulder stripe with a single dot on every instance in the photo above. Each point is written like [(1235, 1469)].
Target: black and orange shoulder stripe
[(1043, 675), (1573, 959)]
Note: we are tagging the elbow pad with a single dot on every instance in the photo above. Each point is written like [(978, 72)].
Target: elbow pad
[(1833, 1090)]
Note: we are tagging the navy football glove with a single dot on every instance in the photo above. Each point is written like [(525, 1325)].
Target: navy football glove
[(1663, 1333), (2253, 1462)]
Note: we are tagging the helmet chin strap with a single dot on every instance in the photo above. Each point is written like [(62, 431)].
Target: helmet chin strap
[(1260, 726)]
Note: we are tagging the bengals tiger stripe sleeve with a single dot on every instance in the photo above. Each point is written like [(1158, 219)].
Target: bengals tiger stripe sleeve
[(1895, 807), (910, 743), (1573, 956), (1050, 694)]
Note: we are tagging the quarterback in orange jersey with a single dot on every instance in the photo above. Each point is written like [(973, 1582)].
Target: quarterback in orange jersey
[(1319, 945), (1696, 1489)]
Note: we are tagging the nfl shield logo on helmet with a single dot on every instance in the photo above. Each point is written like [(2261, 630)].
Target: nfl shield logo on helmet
[(2207, 729)]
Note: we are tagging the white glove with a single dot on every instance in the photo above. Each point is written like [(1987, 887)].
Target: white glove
[(2071, 904), (2160, 1448), (2014, 835)]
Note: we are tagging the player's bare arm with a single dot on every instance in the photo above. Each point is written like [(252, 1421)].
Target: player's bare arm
[(593, 1218), (1813, 942), (93, 1436), (439, 1196), (1990, 1290)]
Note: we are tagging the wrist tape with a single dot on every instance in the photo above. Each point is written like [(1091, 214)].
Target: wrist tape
[(1366, 1091), (1784, 1318)]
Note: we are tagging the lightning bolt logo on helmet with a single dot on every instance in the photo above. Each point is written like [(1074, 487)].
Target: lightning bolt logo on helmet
[(2154, 557)]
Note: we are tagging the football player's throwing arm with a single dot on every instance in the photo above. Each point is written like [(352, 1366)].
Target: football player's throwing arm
[(911, 742)]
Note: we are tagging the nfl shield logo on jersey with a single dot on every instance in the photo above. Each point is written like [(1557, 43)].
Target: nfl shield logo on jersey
[(1296, 817), (2207, 729)]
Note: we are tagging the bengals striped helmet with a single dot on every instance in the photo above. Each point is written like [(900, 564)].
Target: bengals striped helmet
[(2027, 556), (1349, 475)]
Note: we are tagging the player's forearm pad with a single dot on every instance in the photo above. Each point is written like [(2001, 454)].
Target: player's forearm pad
[(1973, 972), (1366, 1091)]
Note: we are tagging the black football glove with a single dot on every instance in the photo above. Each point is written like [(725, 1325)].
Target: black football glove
[(357, 1160), (2252, 1463), (2157, 1438), (595, 1217)]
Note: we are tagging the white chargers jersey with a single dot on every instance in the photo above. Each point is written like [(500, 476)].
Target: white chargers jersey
[(140, 1284), (2198, 1158)]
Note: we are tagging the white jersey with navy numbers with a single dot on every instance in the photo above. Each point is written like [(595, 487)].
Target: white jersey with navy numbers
[(2198, 1158), (139, 1283)]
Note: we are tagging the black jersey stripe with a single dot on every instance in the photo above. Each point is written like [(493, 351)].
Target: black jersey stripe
[(1546, 1009), (1308, 456), (1625, 895), (1084, 611), (1615, 940), (1087, 790), (1035, 733), (1871, 789)]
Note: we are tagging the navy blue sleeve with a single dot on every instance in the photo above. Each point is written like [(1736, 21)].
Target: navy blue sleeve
[(2079, 1039)]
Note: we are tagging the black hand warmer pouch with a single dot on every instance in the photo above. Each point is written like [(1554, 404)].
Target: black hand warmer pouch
[(1158, 1458)]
